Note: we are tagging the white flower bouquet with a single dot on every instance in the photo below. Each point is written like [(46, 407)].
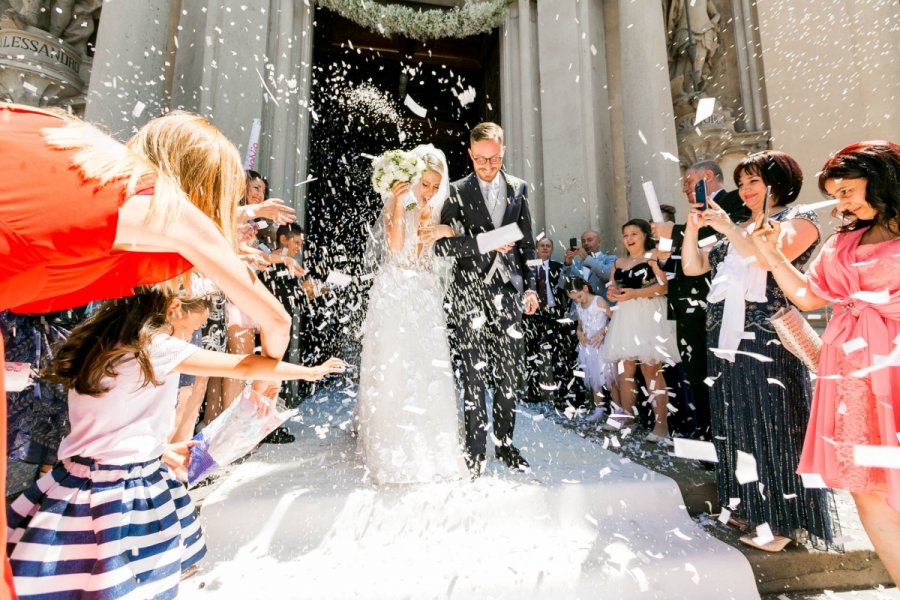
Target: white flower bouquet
[(394, 166)]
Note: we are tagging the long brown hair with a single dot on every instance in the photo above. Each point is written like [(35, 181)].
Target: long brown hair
[(121, 329)]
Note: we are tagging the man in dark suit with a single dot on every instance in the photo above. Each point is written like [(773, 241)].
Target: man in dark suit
[(488, 294), (546, 366), (687, 294)]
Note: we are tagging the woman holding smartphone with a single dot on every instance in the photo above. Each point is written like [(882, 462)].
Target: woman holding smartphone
[(759, 401)]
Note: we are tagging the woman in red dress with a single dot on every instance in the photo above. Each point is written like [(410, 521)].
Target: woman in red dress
[(84, 218)]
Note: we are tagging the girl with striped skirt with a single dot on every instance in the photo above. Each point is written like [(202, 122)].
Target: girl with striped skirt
[(112, 520)]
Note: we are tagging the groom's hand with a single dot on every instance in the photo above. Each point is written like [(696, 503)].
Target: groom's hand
[(531, 302)]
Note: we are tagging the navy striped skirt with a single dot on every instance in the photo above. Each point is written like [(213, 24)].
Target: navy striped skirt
[(88, 530)]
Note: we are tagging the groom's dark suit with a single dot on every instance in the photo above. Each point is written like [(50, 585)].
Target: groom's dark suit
[(482, 289)]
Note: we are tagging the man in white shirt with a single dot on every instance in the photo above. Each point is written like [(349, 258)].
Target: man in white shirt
[(489, 293)]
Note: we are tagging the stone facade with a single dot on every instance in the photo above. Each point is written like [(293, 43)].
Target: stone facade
[(597, 95)]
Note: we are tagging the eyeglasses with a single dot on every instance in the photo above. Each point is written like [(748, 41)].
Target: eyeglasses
[(482, 161)]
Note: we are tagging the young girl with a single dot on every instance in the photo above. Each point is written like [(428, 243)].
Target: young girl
[(111, 519), (593, 318)]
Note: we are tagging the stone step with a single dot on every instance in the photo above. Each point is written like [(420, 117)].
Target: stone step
[(797, 568), (585, 523)]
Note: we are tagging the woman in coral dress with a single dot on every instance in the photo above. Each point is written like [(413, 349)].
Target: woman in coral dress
[(83, 218), (857, 397)]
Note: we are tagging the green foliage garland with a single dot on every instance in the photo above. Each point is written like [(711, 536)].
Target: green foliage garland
[(389, 20)]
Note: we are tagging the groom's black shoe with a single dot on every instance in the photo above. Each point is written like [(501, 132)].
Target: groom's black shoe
[(512, 459), (475, 463)]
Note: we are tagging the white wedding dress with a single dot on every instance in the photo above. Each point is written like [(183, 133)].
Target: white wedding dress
[(407, 406)]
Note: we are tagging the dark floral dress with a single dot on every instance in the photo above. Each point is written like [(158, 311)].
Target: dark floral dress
[(38, 416), (762, 409)]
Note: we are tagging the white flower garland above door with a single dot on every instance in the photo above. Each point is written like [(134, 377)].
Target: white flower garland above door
[(389, 20)]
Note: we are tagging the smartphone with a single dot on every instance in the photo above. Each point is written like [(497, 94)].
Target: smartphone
[(764, 217), (700, 194), (573, 243)]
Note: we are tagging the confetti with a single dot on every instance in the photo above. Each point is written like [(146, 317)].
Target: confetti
[(695, 450), (338, 279), (812, 480), (763, 535), (745, 471), (652, 202), (414, 106), (665, 245), (853, 345), (886, 457), (705, 109)]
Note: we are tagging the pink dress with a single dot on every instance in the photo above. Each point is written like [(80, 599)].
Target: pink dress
[(848, 410)]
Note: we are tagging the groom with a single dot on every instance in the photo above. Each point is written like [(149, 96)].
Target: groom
[(489, 293)]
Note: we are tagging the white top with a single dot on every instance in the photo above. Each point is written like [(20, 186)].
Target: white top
[(129, 423)]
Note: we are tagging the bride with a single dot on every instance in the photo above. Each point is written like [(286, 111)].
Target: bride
[(407, 404)]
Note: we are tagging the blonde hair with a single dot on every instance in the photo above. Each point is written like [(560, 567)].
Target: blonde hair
[(433, 163), (185, 156), (486, 131), (190, 150)]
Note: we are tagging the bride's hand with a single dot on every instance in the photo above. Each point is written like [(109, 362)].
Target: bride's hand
[(399, 189), (429, 234)]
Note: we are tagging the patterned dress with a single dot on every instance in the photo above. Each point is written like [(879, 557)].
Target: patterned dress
[(762, 408)]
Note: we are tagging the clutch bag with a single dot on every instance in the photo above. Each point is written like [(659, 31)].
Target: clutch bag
[(798, 336)]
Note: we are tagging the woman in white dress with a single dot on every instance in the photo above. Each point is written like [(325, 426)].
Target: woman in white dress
[(407, 404)]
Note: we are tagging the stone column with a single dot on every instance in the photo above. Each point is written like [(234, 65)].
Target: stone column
[(127, 86), (221, 62), (647, 117), (574, 120), (286, 120), (521, 103)]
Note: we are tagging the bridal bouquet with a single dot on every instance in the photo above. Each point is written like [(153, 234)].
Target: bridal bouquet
[(394, 166)]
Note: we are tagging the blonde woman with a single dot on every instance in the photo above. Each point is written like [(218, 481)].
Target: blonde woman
[(84, 218), (407, 405)]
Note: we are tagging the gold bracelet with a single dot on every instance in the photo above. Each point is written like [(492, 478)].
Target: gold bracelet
[(784, 262)]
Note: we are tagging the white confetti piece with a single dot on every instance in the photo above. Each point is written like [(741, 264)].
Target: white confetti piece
[(480, 365), (479, 321), (605, 471), (652, 202), (763, 535), (366, 276), (534, 262), (813, 480), (695, 450), (695, 576), (641, 578), (724, 516), (745, 471), (16, 376), (641, 135), (886, 457), (665, 244), (440, 364), (578, 374), (414, 106), (705, 109), (679, 534), (514, 333), (879, 297), (723, 353), (774, 381), (817, 205), (669, 156), (853, 345), (414, 410), (708, 241), (138, 109), (338, 279)]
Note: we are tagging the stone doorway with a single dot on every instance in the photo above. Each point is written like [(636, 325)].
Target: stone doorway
[(360, 81)]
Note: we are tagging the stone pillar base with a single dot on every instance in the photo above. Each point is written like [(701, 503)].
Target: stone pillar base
[(39, 69)]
